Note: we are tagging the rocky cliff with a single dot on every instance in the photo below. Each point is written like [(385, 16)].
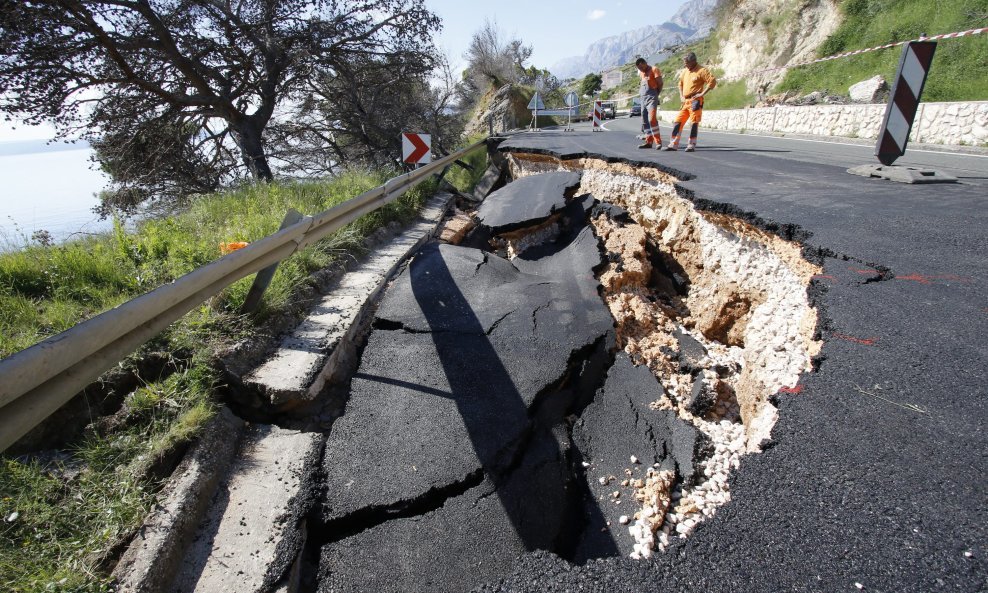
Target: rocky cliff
[(760, 34)]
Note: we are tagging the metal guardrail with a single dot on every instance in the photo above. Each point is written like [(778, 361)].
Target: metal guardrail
[(35, 382)]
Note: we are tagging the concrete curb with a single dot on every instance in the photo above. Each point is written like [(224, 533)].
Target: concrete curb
[(156, 552), (254, 530)]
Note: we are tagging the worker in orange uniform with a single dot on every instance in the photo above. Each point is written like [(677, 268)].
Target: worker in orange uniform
[(694, 83), (651, 86)]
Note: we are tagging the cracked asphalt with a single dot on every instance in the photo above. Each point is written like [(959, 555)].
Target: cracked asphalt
[(876, 476), (450, 461)]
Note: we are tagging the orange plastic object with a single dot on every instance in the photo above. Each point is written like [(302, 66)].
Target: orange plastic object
[(233, 246)]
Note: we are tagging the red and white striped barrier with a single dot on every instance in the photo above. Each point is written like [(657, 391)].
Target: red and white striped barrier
[(904, 100), (598, 113)]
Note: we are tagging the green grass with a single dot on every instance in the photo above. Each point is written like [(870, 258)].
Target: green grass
[(959, 66), (60, 518), (466, 179), (59, 521), (47, 289), (727, 95)]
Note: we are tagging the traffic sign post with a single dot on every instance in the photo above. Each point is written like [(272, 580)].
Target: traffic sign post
[(535, 105), (910, 79), (416, 149), (914, 66), (573, 102)]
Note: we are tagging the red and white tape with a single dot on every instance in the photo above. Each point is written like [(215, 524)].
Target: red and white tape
[(863, 51)]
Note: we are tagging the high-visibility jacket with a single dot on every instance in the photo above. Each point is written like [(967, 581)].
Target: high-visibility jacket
[(651, 80)]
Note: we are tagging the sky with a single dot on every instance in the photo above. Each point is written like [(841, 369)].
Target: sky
[(554, 29)]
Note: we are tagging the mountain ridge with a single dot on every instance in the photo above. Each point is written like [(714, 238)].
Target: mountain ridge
[(692, 21)]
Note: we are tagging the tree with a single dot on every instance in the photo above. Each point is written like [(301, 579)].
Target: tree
[(590, 84), (355, 115), (195, 83), (492, 61)]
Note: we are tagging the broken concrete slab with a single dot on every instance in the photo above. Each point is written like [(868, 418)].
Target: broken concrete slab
[(454, 229), (456, 542), (527, 201), (254, 531), (157, 550), (308, 358), (494, 178)]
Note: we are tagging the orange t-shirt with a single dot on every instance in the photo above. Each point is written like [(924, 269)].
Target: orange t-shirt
[(692, 83)]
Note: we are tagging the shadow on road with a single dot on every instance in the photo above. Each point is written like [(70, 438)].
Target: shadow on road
[(548, 518)]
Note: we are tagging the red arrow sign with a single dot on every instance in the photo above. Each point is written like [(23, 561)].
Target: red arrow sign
[(416, 148)]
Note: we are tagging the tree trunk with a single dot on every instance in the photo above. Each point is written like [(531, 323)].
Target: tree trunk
[(248, 136)]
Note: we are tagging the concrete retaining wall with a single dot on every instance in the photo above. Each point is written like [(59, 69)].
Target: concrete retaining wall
[(961, 123)]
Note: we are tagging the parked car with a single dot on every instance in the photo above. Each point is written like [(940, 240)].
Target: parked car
[(636, 109)]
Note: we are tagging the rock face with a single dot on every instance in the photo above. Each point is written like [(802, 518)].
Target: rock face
[(693, 21), (767, 33), (505, 111), (873, 90)]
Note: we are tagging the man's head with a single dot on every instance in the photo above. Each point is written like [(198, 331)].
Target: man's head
[(689, 60), (641, 64)]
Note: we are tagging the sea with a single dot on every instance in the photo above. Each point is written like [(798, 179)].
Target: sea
[(48, 187)]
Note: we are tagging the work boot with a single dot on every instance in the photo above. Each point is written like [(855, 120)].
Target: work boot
[(645, 145), (671, 147), (690, 147)]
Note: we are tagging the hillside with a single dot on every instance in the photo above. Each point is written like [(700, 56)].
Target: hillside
[(757, 34), (751, 35), (959, 66)]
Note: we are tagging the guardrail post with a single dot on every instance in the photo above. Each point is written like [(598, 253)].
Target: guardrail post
[(263, 278)]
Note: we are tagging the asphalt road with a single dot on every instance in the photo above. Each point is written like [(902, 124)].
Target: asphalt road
[(876, 480)]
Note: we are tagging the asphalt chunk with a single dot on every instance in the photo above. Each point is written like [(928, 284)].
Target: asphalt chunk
[(470, 539), (527, 201), (617, 427), (490, 342)]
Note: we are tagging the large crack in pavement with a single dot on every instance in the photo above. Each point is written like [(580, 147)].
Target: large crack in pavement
[(579, 375)]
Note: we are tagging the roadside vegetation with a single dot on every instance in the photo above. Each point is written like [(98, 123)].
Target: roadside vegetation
[(958, 67), (956, 75), (65, 514)]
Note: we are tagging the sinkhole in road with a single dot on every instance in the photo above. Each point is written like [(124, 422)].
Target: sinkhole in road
[(716, 308), (590, 364)]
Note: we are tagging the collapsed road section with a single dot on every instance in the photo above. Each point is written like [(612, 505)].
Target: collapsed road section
[(579, 375)]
